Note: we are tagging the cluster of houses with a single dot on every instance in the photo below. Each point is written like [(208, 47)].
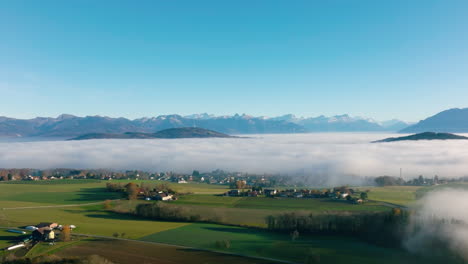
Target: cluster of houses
[(162, 196), (42, 232), (148, 195), (343, 193)]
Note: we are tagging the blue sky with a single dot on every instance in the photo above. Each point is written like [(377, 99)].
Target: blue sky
[(381, 59)]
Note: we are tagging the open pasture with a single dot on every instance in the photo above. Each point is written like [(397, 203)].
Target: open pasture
[(328, 249), (89, 220), (61, 192), (93, 220), (130, 252), (313, 204), (400, 195), (36, 194)]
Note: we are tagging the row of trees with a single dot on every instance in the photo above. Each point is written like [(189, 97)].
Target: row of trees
[(397, 181), (132, 190), (386, 228), (168, 212), (171, 212)]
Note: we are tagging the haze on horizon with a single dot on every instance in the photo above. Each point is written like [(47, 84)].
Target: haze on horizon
[(331, 156), (397, 59)]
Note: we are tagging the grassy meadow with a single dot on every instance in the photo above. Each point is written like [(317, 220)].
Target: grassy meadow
[(25, 194), (118, 252), (318, 204), (251, 211), (326, 249), (89, 220), (400, 195)]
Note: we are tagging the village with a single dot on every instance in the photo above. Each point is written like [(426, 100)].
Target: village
[(337, 193), (240, 188), (216, 177)]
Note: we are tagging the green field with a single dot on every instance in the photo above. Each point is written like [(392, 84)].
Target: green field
[(329, 249), (23, 193), (233, 210), (34, 194), (316, 204), (89, 220), (118, 252), (130, 252), (400, 195), (251, 211)]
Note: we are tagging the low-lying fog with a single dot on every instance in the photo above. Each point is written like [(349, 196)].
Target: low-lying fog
[(440, 222), (331, 154)]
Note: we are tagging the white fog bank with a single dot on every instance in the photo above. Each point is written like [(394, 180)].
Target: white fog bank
[(325, 154), (440, 222)]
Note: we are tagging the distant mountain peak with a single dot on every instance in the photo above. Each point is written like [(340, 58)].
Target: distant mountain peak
[(200, 116), (65, 116), (454, 120)]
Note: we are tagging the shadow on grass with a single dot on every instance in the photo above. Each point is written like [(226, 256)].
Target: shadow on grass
[(96, 194), (117, 216), (248, 231), (232, 230), (12, 239), (334, 201), (81, 211)]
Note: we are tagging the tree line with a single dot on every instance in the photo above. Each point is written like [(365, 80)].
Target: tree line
[(170, 212), (383, 228), (132, 190)]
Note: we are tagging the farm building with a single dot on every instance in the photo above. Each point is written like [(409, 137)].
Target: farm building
[(44, 232), (48, 225), (253, 194), (270, 192), (359, 201), (234, 193), (163, 197), (344, 195)]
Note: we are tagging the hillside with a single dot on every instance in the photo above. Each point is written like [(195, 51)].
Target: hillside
[(423, 136), (183, 132), (451, 121)]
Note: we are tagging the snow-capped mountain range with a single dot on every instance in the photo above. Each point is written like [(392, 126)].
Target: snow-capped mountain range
[(69, 125)]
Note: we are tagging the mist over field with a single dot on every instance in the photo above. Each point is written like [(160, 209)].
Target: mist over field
[(440, 222), (329, 154)]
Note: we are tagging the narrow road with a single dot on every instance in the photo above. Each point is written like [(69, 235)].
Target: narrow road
[(392, 205)]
